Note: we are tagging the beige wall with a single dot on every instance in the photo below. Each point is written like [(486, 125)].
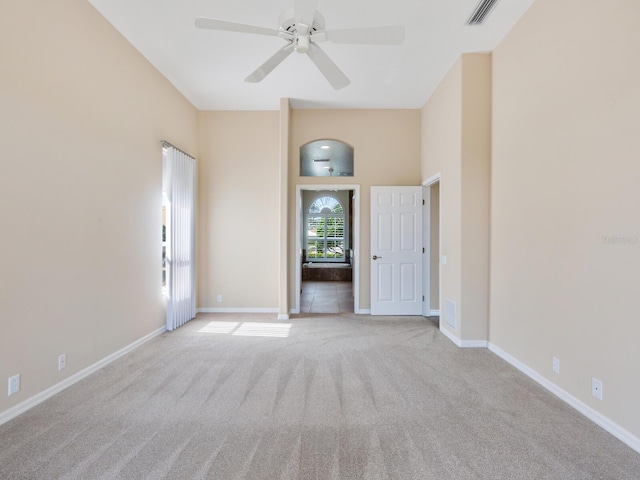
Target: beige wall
[(565, 181), (456, 143), (81, 117), (441, 153), (283, 254), (238, 217), (386, 152), (475, 191)]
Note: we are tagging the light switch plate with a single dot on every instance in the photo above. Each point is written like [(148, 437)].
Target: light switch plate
[(14, 384), (596, 388)]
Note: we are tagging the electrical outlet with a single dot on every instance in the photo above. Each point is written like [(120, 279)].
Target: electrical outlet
[(14, 384), (219, 298), (556, 365), (62, 361), (596, 388)]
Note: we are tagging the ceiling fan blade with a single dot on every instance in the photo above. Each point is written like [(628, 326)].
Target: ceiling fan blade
[(213, 24), (330, 70), (365, 36), (305, 11), (267, 67)]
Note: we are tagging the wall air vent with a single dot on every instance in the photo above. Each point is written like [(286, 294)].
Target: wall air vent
[(450, 313), (321, 159), (481, 12)]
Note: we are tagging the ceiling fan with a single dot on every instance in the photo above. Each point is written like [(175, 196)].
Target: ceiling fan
[(303, 28)]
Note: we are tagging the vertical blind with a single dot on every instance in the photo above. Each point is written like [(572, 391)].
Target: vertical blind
[(178, 179)]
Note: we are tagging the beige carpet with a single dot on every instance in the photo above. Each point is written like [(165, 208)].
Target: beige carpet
[(328, 397)]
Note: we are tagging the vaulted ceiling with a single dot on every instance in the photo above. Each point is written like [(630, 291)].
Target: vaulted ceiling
[(209, 67)]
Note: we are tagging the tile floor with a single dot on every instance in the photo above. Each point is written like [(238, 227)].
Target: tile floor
[(326, 297)]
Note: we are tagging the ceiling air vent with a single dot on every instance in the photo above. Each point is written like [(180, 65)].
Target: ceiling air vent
[(481, 12)]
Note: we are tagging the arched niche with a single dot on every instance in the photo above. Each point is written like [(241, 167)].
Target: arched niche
[(326, 158)]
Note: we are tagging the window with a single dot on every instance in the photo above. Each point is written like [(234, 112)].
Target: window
[(178, 187), (325, 230), (165, 202)]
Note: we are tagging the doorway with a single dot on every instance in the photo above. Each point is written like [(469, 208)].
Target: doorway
[(431, 267), (327, 251)]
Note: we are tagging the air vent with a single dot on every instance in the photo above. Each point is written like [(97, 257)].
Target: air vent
[(321, 159), (481, 12), (450, 313)]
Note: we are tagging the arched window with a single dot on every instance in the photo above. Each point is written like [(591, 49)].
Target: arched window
[(325, 230)]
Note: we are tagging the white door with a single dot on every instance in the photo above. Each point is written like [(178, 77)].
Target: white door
[(396, 250)]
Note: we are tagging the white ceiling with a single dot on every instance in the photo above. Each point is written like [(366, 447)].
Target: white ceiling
[(209, 67)]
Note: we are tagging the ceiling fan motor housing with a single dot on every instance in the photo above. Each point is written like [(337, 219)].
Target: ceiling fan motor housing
[(301, 36)]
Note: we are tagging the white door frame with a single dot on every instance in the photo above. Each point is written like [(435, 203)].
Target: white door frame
[(426, 244), (427, 260), (355, 235)]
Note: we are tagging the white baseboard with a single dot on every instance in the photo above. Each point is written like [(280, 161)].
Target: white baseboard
[(434, 313), (474, 344), (464, 343), (295, 311), (282, 316), (450, 336), (362, 311), (613, 428), (76, 377), (237, 310)]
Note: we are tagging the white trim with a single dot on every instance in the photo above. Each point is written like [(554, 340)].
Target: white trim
[(362, 311), (76, 377), (426, 250), (463, 343), (431, 180), (283, 317), (610, 426), (355, 236), (434, 313), (447, 333), (474, 344), (355, 240), (237, 310)]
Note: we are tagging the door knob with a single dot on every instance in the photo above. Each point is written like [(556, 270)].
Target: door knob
[(375, 257)]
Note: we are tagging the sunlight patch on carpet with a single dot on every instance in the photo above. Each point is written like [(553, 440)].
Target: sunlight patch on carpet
[(219, 327), (248, 329)]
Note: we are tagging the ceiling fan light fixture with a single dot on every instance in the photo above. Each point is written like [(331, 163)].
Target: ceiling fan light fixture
[(301, 43)]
